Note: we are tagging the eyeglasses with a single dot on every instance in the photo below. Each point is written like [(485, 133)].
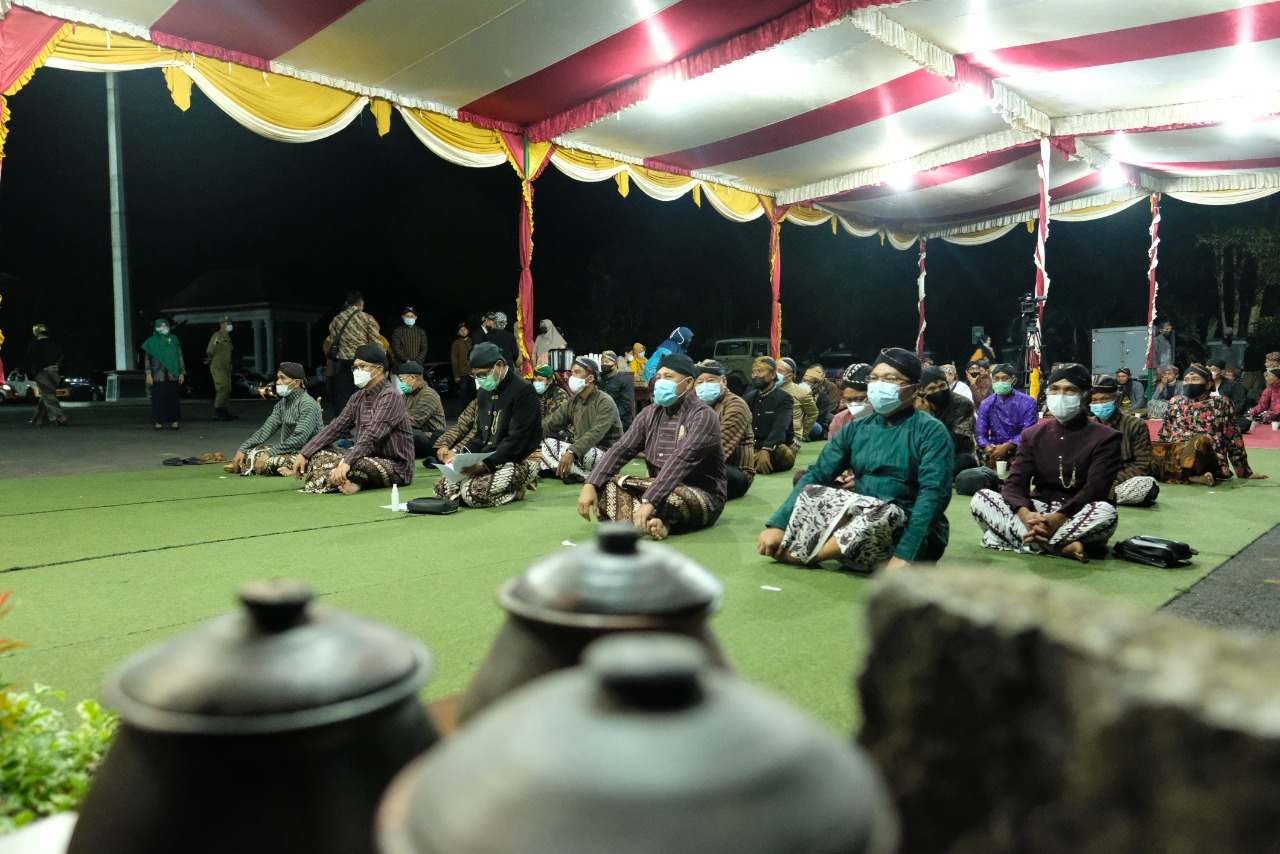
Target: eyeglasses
[(482, 374), (891, 378)]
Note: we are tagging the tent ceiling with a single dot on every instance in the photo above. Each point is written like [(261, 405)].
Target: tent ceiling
[(919, 116)]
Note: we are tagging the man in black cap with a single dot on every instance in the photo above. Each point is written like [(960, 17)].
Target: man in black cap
[(737, 438), (382, 455), (496, 333), (895, 514), (954, 411), (408, 340), (619, 385), (1057, 498), (589, 421), (1003, 416), (1131, 396), (1134, 483), (772, 418), (505, 426), (294, 420), (805, 413), (1224, 386), (426, 411), (685, 489)]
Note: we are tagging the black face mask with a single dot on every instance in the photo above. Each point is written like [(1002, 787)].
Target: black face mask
[(1195, 390), (760, 383), (606, 369), (939, 399), (542, 329)]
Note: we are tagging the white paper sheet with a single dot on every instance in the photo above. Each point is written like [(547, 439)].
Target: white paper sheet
[(453, 471)]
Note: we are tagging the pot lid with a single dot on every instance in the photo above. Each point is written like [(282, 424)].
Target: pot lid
[(283, 663), (617, 574), (644, 748)]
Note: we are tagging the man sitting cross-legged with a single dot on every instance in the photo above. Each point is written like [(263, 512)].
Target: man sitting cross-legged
[(736, 436), (590, 419), (772, 418), (293, 421), (382, 455), (426, 410), (1056, 499), (901, 460), (1134, 484), (685, 488), (504, 424)]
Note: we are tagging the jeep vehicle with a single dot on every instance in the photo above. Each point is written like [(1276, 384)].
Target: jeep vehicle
[(737, 354)]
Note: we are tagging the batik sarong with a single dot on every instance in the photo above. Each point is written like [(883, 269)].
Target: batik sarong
[(367, 473), (553, 450), (261, 461), (1138, 491), (687, 508), (503, 485), (783, 457), (866, 529), (1174, 462), (1091, 526)]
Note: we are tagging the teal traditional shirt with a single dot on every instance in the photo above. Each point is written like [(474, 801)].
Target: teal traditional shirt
[(908, 462)]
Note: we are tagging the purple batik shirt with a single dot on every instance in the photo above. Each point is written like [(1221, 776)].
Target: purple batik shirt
[(1002, 419)]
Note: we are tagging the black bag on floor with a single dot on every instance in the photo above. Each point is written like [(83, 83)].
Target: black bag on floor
[(1155, 551), (432, 506)]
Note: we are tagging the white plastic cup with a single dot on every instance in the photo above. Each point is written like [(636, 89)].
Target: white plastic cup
[(1002, 468), (1275, 425)]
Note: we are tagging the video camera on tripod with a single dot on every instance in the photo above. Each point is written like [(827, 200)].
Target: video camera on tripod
[(1030, 304)]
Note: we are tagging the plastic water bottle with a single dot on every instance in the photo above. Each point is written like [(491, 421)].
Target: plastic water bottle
[(344, 444), (395, 497)]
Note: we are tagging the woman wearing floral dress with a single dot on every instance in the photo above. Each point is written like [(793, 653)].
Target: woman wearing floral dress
[(1199, 441)]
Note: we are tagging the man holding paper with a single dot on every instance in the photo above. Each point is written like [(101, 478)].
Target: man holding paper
[(506, 429)]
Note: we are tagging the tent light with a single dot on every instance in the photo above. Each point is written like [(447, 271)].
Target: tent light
[(900, 176), (1114, 174)]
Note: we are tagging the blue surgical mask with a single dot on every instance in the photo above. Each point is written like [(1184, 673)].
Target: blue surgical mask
[(539, 386), (884, 396), (283, 390), (708, 392), (230, 326), (1103, 410), (409, 321), (404, 387), (1063, 407), (1002, 389), (664, 392), (778, 381)]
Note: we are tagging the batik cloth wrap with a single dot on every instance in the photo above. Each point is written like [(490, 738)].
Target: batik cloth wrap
[(1003, 530), (866, 529), (503, 485), (687, 508), (367, 472)]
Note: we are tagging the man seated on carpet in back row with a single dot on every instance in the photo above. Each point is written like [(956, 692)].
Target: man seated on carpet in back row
[(426, 411), (589, 421), (772, 418), (685, 489), (954, 411), (805, 414), (1057, 498), (382, 455), (294, 420), (503, 422), (737, 439), (901, 461), (1134, 485), (853, 396), (1002, 417)]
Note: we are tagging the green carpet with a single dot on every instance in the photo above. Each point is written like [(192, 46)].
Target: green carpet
[(104, 565)]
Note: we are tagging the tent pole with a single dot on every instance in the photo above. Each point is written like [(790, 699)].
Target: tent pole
[(920, 298), (1153, 260), (125, 356)]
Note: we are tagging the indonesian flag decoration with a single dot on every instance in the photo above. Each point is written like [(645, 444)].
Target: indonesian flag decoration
[(1153, 260), (920, 302)]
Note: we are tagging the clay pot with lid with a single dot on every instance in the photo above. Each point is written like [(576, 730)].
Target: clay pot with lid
[(273, 729), (577, 595), (644, 749)]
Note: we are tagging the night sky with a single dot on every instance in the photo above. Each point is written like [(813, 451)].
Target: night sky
[(388, 217)]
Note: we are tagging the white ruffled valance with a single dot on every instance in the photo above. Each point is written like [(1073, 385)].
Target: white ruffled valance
[(977, 239), (1196, 113), (1223, 197)]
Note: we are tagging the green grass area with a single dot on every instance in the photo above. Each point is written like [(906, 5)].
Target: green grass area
[(104, 565)]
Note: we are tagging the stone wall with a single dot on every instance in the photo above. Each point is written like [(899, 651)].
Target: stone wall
[(1014, 715)]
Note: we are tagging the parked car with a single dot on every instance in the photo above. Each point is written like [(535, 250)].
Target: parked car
[(737, 354), (84, 385), (439, 375), (24, 387), (834, 360), (249, 384)]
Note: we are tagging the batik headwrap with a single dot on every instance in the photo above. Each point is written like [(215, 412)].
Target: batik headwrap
[(904, 361)]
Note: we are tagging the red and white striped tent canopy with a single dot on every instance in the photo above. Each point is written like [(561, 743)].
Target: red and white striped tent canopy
[(918, 117)]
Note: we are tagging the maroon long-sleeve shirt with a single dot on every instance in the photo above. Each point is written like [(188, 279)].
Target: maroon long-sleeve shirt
[(1074, 463)]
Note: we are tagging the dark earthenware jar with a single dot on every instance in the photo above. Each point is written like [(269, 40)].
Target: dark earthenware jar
[(645, 749), (565, 601), (273, 729)]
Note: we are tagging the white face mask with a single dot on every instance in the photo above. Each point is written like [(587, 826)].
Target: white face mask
[(1063, 407), (859, 408), (577, 384), (283, 390), (804, 386), (230, 327), (163, 330), (409, 321), (539, 386), (361, 378)]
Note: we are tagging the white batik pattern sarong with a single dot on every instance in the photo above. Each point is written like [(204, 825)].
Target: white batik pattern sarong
[(866, 528), (1137, 491), (553, 450), (503, 485), (1093, 524)]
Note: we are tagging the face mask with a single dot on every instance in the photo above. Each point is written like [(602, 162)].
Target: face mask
[(577, 384), (759, 383), (488, 383), (404, 387), (163, 330), (283, 390), (1194, 390), (230, 326), (1002, 389), (1063, 407), (778, 381), (1103, 410), (640, 355), (664, 392), (409, 321), (939, 399), (539, 386), (859, 408), (883, 396), (607, 369), (708, 392), (361, 378), (804, 386)]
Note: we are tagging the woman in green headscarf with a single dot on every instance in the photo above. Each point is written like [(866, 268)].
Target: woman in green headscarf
[(166, 371)]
